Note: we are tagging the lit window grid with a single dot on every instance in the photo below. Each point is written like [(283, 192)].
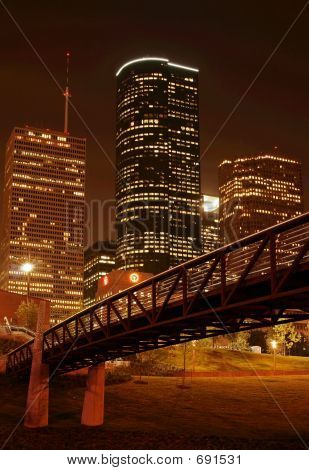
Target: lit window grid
[(52, 172), (97, 264), (257, 192)]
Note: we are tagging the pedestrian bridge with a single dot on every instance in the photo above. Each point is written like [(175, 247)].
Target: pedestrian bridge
[(259, 281)]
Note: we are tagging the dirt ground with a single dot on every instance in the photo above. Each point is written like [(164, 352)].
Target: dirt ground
[(214, 413)]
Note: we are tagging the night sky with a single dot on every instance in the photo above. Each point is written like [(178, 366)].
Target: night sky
[(228, 41)]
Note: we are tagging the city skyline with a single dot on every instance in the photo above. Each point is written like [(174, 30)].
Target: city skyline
[(154, 245), (267, 117)]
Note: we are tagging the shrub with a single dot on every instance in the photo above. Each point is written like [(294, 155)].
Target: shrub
[(153, 369), (117, 376), (112, 376)]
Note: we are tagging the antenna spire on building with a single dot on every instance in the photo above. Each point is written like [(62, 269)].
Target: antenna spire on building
[(67, 95)]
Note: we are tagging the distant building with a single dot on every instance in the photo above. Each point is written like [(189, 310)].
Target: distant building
[(210, 223), (257, 192), (43, 217), (99, 260), (119, 280), (158, 165)]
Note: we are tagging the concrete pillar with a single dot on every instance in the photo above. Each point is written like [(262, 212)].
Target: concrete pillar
[(93, 408), (36, 415)]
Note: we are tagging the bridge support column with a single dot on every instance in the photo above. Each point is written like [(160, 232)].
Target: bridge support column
[(93, 408), (36, 415)]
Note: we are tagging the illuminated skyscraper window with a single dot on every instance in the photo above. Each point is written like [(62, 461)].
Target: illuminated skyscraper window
[(99, 261), (44, 197), (257, 192), (158, 167)]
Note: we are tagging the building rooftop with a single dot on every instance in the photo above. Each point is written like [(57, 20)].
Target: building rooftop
[(154, 59)]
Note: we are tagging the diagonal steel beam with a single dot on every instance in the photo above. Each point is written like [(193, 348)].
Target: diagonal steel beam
[(101, 325), (169, 295), (86, 332), (247, 269), (303, 250), (141, 306), (118, 314), (203, 283)]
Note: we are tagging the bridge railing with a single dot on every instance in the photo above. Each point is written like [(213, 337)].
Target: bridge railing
[(263, 254), (20, 356), (274, 248)]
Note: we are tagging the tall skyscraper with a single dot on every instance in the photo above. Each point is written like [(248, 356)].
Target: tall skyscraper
[(44, 194), (210, 223), (158, 165), (99, 261), (257, 192)]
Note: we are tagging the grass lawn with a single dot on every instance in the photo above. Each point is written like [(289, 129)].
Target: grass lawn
[(215, 413), (226, 360)]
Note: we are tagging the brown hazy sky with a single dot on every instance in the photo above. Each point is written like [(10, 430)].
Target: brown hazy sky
[(228, 41)]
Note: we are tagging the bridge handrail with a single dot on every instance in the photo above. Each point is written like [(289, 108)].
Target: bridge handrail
[(22, 346)]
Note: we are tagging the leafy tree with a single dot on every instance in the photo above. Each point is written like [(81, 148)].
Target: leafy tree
[(307, 332), (27, 314), (240, 341), (286, 336), (148, 361), (203, 344)]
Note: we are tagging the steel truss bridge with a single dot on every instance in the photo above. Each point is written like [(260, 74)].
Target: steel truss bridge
[(259, 281)]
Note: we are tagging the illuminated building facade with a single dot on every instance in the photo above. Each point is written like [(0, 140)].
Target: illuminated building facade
[(210, 223), (257, 192), (44, 193), (158, 165), (99, 260)]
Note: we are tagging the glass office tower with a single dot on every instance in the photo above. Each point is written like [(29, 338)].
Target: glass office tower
[(158, 165)]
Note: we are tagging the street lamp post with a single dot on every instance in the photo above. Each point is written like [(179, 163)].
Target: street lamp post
[(27, 268), (184, 364), (193, 359), (274, 346)]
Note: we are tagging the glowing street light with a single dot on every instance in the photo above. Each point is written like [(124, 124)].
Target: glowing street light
[(27, 267)]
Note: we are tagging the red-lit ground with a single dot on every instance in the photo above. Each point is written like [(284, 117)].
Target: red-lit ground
[(215, 413)]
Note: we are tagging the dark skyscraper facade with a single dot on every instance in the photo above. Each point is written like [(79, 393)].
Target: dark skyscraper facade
[(257, 192), (158, 167)]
